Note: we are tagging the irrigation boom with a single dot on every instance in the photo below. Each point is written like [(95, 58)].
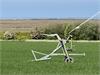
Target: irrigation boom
[(62, 45), (84, 22)]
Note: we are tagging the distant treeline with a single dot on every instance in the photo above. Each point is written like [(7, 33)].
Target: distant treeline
[(88, 31)]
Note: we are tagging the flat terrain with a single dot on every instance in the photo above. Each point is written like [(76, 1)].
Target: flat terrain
[(17, 56), (27, 25)]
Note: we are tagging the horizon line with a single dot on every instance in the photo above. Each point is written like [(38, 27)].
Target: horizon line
[(45, 18)]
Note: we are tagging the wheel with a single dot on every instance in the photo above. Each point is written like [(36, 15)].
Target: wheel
[(66, 59)]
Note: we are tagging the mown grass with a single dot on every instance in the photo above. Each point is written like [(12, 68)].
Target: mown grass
[(16, 59)]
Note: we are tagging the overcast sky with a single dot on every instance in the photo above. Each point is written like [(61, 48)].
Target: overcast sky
[(48, 8)]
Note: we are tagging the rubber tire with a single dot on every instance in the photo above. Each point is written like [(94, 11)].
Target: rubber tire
[(68, 60)]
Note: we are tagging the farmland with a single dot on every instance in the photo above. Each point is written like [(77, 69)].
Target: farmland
[(17, 56), (26, 29), (28, 25)]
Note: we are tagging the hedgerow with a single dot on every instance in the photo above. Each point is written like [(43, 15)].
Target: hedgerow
[(88, 31)]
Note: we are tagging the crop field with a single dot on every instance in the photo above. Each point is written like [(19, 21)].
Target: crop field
[(16, 59)]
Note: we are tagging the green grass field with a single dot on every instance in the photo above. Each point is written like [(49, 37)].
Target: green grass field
[(16, 59)]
